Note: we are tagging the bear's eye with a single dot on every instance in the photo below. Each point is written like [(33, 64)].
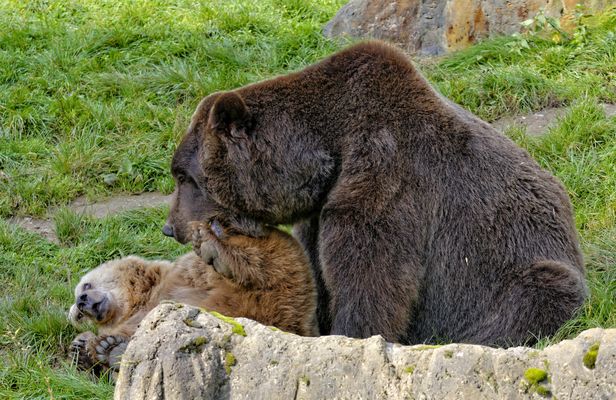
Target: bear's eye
[(186, 179), (86, 286)]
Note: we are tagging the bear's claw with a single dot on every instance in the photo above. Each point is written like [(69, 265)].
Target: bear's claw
[(79, 350), (205, 244), (109, 350)]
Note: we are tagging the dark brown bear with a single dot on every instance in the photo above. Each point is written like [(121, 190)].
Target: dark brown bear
[(422, 222)]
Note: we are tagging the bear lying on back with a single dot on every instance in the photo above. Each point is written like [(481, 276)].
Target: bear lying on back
[(267, 279), (422, 222)]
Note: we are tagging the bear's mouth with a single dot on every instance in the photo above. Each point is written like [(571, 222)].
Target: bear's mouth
[(100, 309), (75, 316)]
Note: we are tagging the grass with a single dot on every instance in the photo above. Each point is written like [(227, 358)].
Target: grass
[(37, 280), (502, 77), (94, 96)]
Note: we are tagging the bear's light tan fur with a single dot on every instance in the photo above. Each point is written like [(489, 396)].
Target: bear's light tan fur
[(267, 279)]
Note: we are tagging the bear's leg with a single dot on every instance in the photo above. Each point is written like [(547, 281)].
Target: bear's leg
[(208, 246), (536, 303), (242, 264), (307, 233), (372, 272)]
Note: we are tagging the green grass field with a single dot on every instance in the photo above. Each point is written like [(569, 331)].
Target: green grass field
[(94, 96)]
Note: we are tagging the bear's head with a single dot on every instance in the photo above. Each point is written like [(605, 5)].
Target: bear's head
[(250, 158), (190, 200), (114, 291)]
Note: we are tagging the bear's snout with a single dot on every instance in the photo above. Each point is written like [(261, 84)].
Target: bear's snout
[(168, 230), (93, 304)]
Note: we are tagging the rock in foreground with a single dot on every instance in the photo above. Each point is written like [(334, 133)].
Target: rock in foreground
[(183, 352)]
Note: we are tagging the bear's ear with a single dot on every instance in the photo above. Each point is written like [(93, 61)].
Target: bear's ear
[(229, 115)]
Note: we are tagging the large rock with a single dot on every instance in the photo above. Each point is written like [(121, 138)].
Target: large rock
[(183, 352), (435, 26)]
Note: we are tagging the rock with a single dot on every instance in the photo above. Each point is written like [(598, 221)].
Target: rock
[(436, 26), (183, 352)]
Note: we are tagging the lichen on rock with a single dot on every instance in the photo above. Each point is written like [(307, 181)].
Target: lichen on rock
[(535, 375), (230, 362), (590, 358), (238, 329)]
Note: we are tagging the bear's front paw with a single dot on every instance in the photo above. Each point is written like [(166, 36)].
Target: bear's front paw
[(199, 234), (206, 244), (109, 350), (80, 350), (211, 256)]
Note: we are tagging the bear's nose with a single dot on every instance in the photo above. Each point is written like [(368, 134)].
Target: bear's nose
[(168, 230), (83, 301)]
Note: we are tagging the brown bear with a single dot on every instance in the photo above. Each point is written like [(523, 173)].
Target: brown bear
[(422, 222), (267, 279)]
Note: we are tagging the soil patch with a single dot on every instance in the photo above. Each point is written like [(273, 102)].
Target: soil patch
[(113, 205), (538, 123), (44, 227)]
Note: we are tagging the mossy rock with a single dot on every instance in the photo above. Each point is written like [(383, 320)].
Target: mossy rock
[(237, 328), (535, 375), (194, 345), (230, 362), (590, 358)]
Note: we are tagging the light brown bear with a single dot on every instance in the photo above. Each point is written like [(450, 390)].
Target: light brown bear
[(267, 279)]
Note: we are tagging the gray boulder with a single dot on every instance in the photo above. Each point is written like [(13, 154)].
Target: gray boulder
[(436, 26), (181, 352)]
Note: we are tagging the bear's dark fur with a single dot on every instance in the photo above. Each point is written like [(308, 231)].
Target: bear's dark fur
[(422, 222)]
